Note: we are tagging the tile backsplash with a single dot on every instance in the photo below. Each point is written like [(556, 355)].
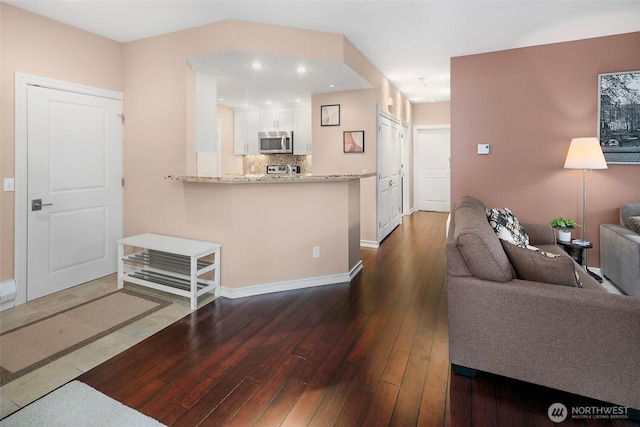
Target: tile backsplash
[(258, 164)]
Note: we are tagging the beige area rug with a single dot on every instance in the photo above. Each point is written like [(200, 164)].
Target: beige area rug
[(36, 344)]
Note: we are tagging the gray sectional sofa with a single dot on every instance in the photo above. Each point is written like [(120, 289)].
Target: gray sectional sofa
[(620, 251), (521, 316)]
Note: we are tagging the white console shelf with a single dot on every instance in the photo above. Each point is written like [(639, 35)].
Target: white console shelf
[(170, 264)]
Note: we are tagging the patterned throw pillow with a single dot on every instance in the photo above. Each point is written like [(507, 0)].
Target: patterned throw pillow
[(635, 223), (507, 226)]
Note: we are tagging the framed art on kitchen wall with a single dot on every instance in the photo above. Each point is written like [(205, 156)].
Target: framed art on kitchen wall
[(353, 141), (330, 115)]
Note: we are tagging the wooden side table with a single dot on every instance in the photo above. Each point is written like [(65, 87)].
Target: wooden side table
[(576, 252)]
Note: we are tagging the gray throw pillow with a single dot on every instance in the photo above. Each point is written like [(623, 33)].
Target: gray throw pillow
[(634, 221), (530, 263)]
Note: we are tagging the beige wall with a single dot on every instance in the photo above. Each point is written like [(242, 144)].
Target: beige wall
[(38, 46), (358, 111), (263, 243), (158, 87), (402, 107), (528, 104), (158, 106), (432, 113)]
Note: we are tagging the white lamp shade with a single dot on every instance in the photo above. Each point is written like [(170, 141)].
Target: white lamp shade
[(585, 153)]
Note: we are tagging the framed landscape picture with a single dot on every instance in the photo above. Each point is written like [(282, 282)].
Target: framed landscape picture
[(619, 117)]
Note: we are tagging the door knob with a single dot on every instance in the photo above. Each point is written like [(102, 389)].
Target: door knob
[(36, 204)]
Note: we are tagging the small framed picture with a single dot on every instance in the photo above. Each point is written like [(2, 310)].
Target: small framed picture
[(330, 115), (353, 141)]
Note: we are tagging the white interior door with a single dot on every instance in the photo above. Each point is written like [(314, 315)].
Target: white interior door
[(389, 176), (384, 178), (395, 165), (405, 141), (433, 150), (75, 170)]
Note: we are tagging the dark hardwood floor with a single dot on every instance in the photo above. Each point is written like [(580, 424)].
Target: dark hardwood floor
[(366, 353)]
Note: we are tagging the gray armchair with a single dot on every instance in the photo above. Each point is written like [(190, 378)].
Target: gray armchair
[(620, 251)]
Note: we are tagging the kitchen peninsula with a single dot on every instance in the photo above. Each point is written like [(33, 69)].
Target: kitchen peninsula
[(300, 230)]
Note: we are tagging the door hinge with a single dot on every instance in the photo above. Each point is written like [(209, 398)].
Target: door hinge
[(122, 181), (121, 118)]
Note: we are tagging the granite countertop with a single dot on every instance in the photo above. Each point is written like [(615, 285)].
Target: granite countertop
[(267, 178)]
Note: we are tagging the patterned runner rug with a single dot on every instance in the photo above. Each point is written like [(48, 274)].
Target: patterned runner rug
[(36, 344)]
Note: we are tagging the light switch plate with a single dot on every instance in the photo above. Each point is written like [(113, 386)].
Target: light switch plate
[(9, 184), (483, 148)]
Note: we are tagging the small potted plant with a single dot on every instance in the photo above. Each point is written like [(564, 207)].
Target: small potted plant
[(564, 227)]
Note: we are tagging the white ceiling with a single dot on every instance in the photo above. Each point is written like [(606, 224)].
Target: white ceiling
[(410, 42), (278, 82)]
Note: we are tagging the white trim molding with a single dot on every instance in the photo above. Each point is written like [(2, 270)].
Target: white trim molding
[(369, 244), (7, 294), (290, 285)]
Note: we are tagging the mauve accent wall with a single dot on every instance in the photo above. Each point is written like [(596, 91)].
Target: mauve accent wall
[(527, 104)]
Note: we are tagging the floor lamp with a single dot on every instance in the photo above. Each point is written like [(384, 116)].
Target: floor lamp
[(585, 153)]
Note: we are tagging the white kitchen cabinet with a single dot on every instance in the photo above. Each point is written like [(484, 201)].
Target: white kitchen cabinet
[(302, 130), (276, 119), (246, 125), (170, 264)]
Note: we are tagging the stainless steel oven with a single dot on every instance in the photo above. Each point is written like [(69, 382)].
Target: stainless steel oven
[(276, 142)]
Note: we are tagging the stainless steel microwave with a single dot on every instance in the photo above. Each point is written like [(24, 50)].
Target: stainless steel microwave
[(276, 142)]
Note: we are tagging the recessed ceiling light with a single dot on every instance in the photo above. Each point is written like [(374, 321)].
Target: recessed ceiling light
[(301, 69), (332, 85), (220, 99), (256, 65)]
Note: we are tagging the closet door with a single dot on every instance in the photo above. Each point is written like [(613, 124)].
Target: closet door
[(389, 186)]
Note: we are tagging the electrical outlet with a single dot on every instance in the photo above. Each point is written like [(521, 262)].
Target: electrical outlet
[(316, 251)]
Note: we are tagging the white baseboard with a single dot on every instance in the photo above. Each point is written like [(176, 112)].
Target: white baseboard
[(290, 285), (369, 244), (7, 294)]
